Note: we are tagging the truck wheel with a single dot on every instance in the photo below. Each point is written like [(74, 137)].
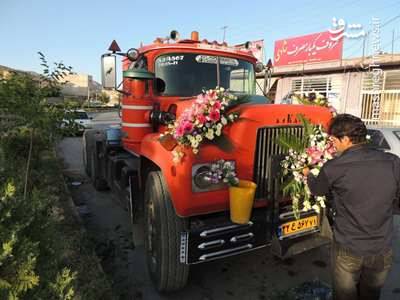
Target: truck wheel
[(99, 183), (162, 237)]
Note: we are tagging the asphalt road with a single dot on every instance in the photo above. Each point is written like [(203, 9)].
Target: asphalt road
[(255, 275)]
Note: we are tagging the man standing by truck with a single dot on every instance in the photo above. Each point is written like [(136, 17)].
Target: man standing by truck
[(364, 183)]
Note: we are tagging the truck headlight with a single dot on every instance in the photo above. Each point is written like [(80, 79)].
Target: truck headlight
[(202, 178)]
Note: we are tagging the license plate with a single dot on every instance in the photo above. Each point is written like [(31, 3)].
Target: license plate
[(298, 226)]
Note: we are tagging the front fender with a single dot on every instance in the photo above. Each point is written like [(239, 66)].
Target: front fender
[(179, 177)]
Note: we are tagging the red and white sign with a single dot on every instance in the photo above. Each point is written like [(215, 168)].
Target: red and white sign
[(309, 48)]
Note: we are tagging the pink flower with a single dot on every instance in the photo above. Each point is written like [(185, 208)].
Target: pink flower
[(201, 99), (314, 154), (214, 115), (187, 127), (179, 131), (217, 105), (201, 118), (212, 95)]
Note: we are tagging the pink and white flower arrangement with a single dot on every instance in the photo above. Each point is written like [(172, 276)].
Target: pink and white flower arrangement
[(317, 151), (203, 121), (224, 171)]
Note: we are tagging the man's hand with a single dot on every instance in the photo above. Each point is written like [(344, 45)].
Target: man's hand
[(306, 171)]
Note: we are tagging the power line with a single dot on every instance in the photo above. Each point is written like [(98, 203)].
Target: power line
[(296, 21)]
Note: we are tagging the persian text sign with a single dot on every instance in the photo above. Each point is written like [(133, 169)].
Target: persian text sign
[(322, 46)]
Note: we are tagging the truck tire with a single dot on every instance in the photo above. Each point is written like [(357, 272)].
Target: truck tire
[(99, 183), (162, 237)]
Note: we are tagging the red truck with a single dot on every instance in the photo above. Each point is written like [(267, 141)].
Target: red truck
[(184, 222)]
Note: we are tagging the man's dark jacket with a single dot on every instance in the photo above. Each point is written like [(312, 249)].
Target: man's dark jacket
[(364, 183)]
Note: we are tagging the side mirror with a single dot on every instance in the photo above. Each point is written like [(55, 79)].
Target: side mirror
[(259, 67), (108, 72)]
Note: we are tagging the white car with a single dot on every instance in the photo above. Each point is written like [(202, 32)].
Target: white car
[(387, 139), (80, 118)]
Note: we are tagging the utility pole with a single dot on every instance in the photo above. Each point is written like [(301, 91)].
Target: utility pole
[(224, 29), (393, 43), (363, 49)]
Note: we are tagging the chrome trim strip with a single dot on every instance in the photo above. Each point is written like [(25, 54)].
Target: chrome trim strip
[(221, 229), (212, 243), (231, 254), (136, 125), (242, 237), (137, 107), (204, 257)]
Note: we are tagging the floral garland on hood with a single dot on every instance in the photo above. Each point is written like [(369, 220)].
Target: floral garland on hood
[(202, 122)]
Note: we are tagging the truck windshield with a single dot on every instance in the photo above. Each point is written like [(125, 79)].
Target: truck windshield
[(187, 74)]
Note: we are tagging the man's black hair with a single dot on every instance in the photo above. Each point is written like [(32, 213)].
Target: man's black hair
[(348, 125)]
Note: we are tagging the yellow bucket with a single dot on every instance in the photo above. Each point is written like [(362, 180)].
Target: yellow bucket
[(241, 200)]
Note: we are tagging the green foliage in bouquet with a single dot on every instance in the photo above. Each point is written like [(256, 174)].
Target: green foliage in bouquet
[(311, 150)]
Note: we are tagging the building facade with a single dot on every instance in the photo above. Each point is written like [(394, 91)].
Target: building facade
[(366, 87)]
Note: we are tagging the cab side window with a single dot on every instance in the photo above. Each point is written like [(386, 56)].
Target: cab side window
[(378, 140)]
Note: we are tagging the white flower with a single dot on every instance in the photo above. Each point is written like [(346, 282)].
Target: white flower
[(322, 203), (194, 143), (316, 208), (210, 134), (224, 121), (306, 205), (177, 156), (314, 171), (199, 138)]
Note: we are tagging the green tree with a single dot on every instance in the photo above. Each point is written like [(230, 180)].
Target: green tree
[(103, 98), (29, 127)]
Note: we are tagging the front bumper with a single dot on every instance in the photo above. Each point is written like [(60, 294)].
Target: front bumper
[(214, 236)]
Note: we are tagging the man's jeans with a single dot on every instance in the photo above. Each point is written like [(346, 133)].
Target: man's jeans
[(358, 277)]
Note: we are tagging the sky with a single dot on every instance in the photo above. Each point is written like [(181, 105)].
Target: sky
[(78, 32)]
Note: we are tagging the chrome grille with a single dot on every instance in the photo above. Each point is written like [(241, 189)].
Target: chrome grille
[(266, 146)]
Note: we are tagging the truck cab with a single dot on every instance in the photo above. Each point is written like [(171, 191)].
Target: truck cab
[(184, 222)]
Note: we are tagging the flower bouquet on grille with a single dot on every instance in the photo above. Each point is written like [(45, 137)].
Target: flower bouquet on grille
[(202, 122), (312, 151)]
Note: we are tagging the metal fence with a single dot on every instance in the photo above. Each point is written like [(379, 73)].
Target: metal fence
[(388, 111)]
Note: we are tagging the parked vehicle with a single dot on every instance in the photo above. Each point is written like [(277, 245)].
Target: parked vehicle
[(186, 223), (387, 139), (81, 119)]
